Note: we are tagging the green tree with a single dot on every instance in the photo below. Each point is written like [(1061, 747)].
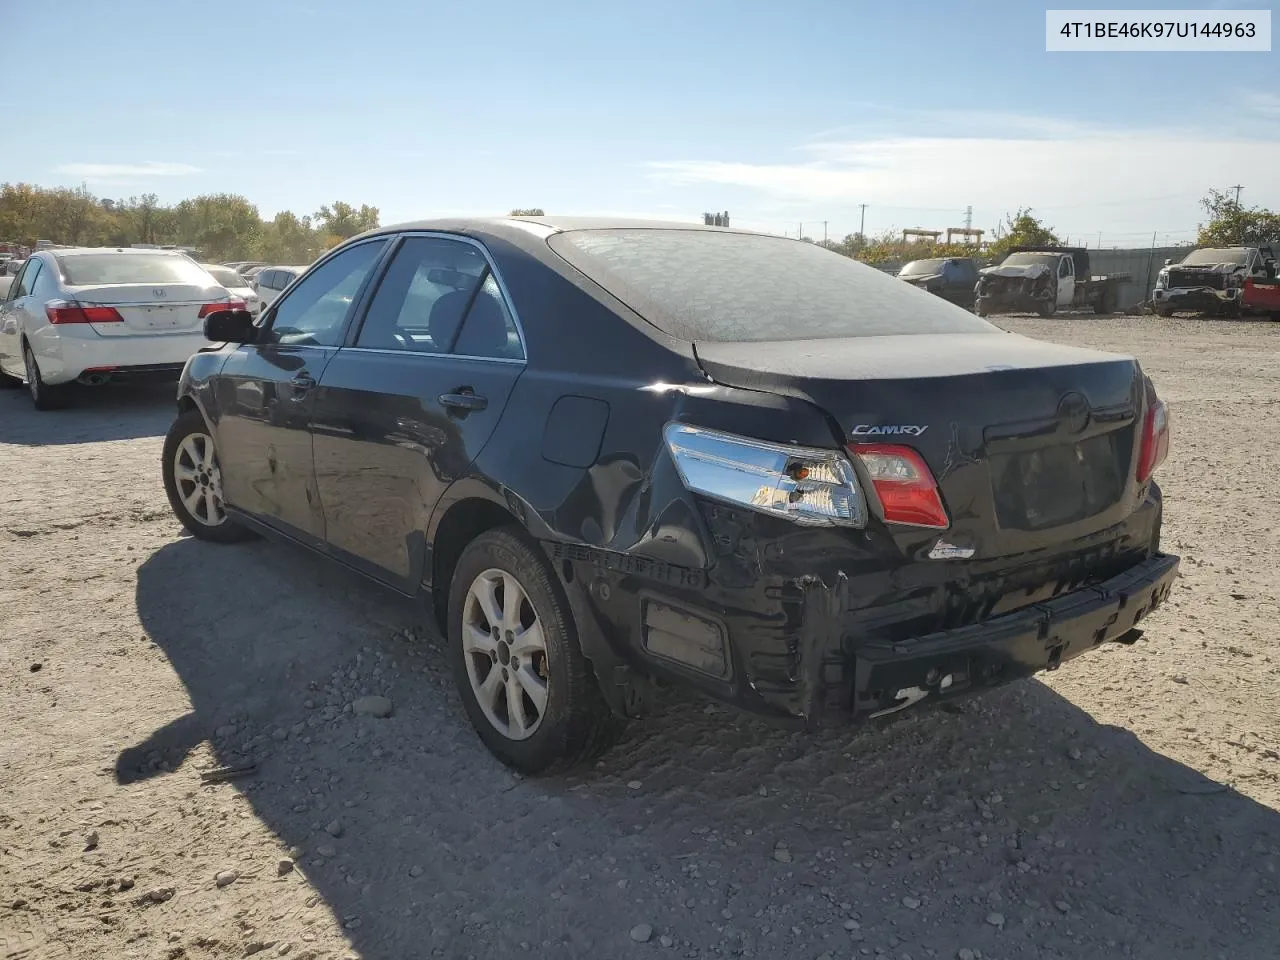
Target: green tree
[(1021, 229), (528, 212), (342, 220), (1231, 224)]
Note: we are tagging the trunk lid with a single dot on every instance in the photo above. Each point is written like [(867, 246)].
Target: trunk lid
[(1031, 443), (151, 309)]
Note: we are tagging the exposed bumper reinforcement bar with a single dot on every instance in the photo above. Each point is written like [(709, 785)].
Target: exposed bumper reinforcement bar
[(891, 677)]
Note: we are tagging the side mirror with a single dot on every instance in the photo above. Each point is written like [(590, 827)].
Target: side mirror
[(230, 326), (1168, 261)]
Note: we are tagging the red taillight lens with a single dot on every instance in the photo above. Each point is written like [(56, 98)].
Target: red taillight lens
[(1155, 440), (208, 308), (904, 483), (68, 311)]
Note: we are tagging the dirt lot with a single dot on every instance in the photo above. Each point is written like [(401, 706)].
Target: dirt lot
[(1128, 805)]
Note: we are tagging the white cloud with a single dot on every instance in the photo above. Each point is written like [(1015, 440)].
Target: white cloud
[(108, 171), (1120, 183)]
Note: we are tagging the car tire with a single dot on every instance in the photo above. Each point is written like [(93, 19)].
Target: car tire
[(1046, 308), (1165, 312), (981, 307), (532, 655), (193, 481), (43, 396)]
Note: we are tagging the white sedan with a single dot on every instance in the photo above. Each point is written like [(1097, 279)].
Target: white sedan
[(236, 285), (90, 315)]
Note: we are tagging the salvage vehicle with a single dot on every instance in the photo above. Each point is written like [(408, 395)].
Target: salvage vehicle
[(607, 454), (1046, 280), (1210, 281), (951, 278), (1262, 296)]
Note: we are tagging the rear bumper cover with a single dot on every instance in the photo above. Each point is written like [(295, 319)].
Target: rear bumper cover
[(890, 677), (812, 639)]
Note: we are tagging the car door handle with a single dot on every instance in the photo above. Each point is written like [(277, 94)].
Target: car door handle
[(302, 383), (463, 401)]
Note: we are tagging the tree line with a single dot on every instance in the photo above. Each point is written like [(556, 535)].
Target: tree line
[(221, 226), (225, 226)]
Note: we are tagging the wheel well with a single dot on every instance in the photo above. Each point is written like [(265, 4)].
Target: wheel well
[(465, 521), (186, 405)]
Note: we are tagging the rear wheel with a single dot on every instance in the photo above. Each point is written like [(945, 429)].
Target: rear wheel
[(1106, 302), (513, 646), (43, 396), (193, 481)]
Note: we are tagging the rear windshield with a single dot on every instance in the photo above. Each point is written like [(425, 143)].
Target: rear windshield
[(226, 276), (920, 268), (711, 286), (1211, 256), (92, 269)]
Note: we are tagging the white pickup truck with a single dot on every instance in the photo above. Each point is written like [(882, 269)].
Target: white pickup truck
[(1046, 280)]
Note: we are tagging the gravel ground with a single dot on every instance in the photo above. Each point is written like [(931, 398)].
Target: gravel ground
[(1124, 806)]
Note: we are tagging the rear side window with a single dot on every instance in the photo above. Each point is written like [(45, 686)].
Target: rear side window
[(92, 269), (712, 286), (25, 281)]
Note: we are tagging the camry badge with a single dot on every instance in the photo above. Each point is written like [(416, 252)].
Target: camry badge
[(888, 430)]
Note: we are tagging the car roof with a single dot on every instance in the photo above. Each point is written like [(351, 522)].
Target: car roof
[(124, 251), (549, 225)]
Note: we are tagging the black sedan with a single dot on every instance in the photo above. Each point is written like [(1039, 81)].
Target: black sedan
[(608, 454)]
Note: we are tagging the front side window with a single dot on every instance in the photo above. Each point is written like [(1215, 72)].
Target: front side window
[(315, 311), (1065, 269)]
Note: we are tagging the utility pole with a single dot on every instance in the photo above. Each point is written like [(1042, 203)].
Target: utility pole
[(968, 217), (862, 226), (824, 233), (1237, 188), (801, 233)]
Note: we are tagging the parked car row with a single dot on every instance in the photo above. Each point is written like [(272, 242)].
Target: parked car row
[(1218, 281)]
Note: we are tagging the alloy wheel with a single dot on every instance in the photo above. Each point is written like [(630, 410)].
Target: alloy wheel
[(505, 653), (199, 480)]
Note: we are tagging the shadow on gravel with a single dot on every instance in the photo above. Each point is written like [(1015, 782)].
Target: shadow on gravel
[(1017, 827), (92, 414)]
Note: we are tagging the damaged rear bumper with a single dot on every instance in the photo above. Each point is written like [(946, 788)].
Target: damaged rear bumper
[(888, 677)]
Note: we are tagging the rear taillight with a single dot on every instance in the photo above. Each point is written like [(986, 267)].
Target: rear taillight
[(1155, 439), (68, 311), (208, 308), (904, 483)]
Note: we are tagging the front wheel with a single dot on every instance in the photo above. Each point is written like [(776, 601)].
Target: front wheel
[(1164, 312), (982, 307), (513, 645), (193, 481), (1047, 308)]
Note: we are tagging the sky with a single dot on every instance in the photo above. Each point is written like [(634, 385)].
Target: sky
[(784, 114)]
